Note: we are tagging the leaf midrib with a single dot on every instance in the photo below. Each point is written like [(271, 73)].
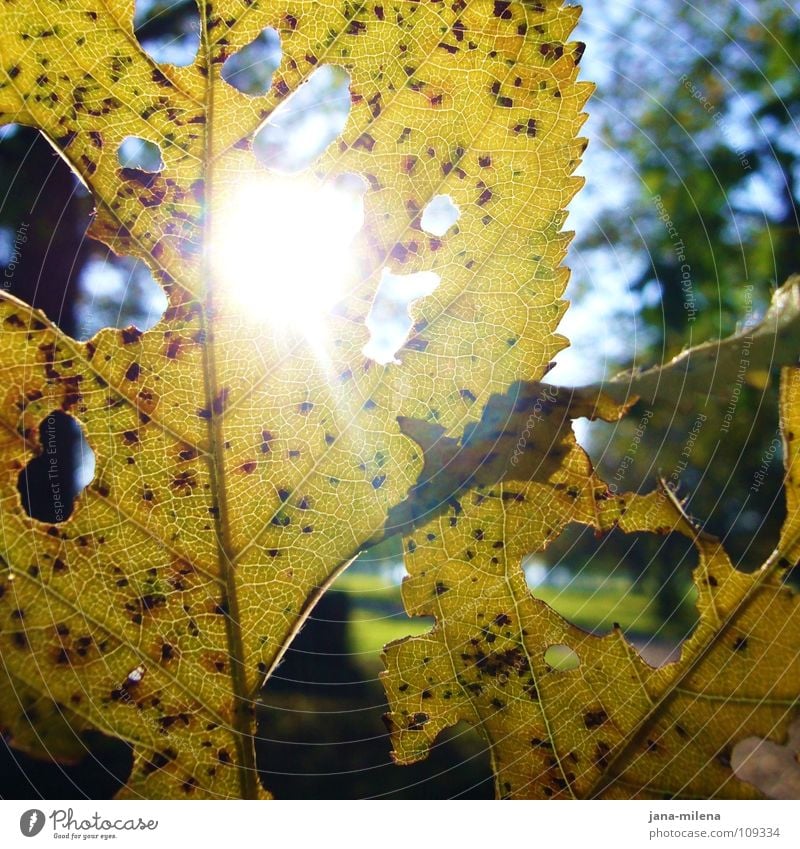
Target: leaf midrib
[(241, 719)]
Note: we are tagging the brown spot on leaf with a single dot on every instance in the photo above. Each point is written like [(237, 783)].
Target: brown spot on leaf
[(594, 718)]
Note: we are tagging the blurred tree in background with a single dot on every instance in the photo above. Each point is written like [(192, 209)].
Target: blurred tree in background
[(709, 125), (692, 185)]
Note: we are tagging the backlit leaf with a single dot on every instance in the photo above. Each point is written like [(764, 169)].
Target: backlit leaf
[(247, 451), (606, 724)]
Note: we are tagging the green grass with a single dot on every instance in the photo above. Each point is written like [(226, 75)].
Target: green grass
[(375, 620), (368, 633), (598, 610), (369, 586)]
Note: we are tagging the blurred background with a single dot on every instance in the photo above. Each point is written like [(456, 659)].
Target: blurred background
[(687, 223)]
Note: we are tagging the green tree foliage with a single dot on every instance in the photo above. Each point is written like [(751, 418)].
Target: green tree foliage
[(697, 196)]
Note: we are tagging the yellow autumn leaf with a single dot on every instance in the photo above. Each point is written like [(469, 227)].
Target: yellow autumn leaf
[(570, 714), (246, 448)]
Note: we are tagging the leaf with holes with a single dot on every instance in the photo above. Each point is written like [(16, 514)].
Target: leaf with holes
[(569, 714), (247, 447)]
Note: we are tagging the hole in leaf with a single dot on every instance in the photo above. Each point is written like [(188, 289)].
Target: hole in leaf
[(657, 437), (306, 123), (561, 658), (389, 321), (117, 292), (440, 215), (46, 259), (640, 581), (51, 482), (10, 244), (168, 30), (250, 69), (772, 768), (44, 215), (141, 155)]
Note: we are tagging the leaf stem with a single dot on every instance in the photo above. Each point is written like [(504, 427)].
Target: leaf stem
[(243, 719), (302, 617)]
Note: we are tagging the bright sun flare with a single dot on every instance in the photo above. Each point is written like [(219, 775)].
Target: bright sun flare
[(282, 247)]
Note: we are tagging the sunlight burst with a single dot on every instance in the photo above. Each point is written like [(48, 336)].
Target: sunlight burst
[(283, 247)]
